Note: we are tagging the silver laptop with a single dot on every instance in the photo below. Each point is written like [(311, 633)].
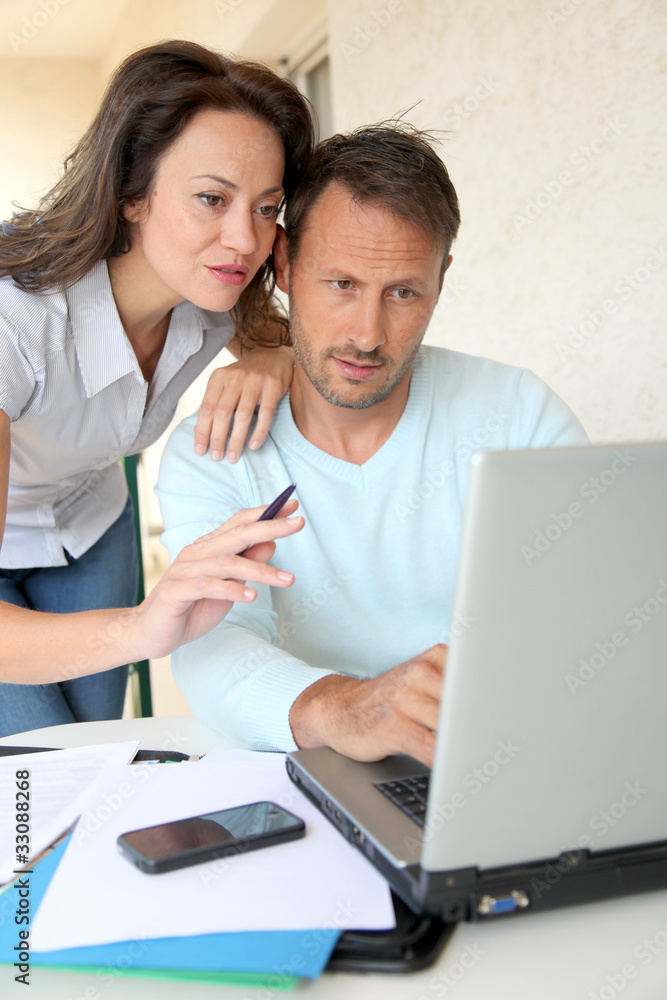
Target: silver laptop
[(549, 785)]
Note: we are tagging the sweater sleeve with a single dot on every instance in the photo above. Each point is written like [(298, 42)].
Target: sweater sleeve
[(542, 419), (237, 679)]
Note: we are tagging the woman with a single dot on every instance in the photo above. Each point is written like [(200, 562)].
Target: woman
[(149, 255)]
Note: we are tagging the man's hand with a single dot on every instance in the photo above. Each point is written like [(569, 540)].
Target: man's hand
[(261, 379), (396, 712)]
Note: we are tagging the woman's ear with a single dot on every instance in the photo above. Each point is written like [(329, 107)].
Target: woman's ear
[(133, 211), (280, 261)]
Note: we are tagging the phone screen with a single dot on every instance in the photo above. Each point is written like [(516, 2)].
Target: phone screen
[(199, 838)]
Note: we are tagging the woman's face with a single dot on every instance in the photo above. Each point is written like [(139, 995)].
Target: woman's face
[(210, 220)]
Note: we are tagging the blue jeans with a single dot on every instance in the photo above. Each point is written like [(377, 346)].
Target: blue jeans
[(103, 577)]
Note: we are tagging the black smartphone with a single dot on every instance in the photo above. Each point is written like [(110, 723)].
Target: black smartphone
[(190, 841)]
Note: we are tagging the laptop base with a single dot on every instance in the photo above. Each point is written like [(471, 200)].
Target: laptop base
[(575, 877)]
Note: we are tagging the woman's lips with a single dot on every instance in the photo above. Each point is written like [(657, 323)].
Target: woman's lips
[(360, 373), (232, 275)]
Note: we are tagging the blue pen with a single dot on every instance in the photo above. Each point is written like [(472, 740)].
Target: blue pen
[(274, 507), (277, 504)]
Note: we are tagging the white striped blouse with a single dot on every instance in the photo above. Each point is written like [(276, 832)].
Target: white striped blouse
[(73, 389)]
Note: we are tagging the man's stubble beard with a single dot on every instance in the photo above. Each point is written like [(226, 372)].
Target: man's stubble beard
[(314, 367)]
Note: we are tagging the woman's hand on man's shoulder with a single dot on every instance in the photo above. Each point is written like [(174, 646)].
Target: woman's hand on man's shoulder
[(259, 380)]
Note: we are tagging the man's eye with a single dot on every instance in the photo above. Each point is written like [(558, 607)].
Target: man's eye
[(212, 200), (342, 284), (402, 293)]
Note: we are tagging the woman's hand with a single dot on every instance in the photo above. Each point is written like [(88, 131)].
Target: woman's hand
[(262, 377), (207, 577), (192, 597)]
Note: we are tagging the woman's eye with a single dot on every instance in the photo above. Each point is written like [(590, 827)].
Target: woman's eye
[(342, 284), (268, 211), (212, 200)]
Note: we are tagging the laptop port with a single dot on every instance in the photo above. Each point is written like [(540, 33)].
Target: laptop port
[(329, 805), (493, 906), (358, 835)]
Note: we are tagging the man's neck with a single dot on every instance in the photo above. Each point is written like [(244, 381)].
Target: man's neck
[(351, 435)]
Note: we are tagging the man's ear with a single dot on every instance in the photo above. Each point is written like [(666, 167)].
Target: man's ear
[(442, 276), (280, 261)]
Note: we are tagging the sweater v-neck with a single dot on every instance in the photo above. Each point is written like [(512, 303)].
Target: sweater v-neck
[(289, 438)]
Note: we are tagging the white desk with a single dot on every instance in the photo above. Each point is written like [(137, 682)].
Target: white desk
[(564, 955)]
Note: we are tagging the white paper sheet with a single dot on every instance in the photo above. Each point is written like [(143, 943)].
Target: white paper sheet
[(229, 755), (59, 783), (97, 896)]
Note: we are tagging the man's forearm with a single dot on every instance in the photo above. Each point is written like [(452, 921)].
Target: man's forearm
[(322, 710), (396, 712), (355, 717)]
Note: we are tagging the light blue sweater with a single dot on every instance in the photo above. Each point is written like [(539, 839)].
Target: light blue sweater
[(375, 563)]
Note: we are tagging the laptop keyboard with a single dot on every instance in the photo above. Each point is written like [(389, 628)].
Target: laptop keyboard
[(409, 794)]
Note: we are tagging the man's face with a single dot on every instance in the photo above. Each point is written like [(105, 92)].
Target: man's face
[(362, 291)]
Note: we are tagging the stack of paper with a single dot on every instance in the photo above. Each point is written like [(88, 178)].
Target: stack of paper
[(275, 912), (57, 789)]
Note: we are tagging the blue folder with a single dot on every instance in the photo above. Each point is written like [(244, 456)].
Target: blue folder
[(279, 955)]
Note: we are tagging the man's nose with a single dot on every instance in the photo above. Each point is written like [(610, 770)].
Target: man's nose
[(368, 330), (238, 230)]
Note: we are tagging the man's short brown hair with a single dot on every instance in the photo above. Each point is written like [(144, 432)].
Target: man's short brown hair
[(392, 165)]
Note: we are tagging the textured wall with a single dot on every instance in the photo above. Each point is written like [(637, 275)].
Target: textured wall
[(46, 104), (555, 139)]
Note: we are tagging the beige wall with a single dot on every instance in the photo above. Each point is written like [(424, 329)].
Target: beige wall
[(46, 103), (554, 115)]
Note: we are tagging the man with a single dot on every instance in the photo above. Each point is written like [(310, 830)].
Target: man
[(378, 433)]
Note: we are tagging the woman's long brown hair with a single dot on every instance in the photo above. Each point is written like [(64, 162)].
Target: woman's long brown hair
[(149, 100)]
